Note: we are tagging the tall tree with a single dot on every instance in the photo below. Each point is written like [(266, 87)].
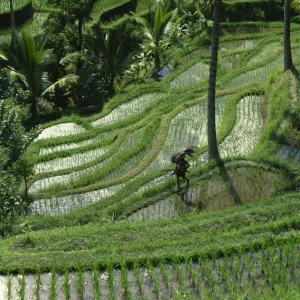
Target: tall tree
[(109, 50), (213, 152), (287, 40), (157, 34), (77, 11), (179, 6), (82, 79), (12, 25), (30, 62)]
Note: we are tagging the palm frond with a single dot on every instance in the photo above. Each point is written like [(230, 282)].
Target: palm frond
[(70, 58), (64, 81), (171, 24), (140, 20), (4, 62), (18, 76)]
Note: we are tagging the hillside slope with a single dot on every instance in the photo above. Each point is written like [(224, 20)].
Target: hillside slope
[(101, 183)]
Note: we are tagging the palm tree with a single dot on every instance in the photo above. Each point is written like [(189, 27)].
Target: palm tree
[(81, 70), (29, 65), (156, 35), (286, 37), (213, 152), (105, 60), (107, 50), (110, 49), (30, 62), (77, 12), (179, 6)]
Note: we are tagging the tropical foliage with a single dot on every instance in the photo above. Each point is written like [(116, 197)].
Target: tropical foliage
[(158, 32), (30, 63)]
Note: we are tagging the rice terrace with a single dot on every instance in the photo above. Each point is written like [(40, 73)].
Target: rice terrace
[(149, 149)]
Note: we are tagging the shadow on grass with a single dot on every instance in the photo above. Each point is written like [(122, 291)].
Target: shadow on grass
[(224, 174), (228, 182)]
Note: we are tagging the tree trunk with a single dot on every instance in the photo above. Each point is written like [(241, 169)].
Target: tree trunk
[(13, 44), (80, 24), (213, 152), (157, 61), (179, 7), (287, 40), (34, 112), (26, 196), (111, 85)]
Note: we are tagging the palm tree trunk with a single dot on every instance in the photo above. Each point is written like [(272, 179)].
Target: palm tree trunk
[(213, 152), (287, 41), (12, 25), (80, 24), (179, 7), (157, 61), (34, 112), (111, 85)]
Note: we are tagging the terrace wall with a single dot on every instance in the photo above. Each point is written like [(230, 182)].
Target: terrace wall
[(21, 16)]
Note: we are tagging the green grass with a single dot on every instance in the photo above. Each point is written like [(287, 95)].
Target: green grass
[(269, 274), (33, 26), (272, 221), (18, 4)]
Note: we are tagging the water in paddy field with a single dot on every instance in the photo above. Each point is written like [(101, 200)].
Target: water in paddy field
[(249, 183), (3, 287), (251, 272), (290, 153), (245, 182), (167, 208)]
